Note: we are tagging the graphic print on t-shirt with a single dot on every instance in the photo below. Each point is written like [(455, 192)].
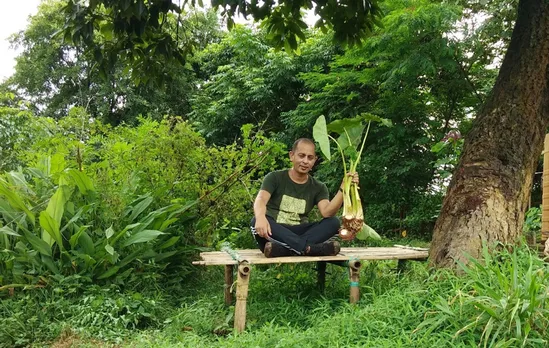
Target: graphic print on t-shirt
[(290, 208)]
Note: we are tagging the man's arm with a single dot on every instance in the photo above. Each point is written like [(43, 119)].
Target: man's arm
[(329, 208), (262, 226)]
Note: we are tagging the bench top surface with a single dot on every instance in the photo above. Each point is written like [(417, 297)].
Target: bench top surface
[(255, 256)]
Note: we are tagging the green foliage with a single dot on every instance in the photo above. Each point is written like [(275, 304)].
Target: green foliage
[(532, 225), (448, 151), (55, 75), (245, 81), (505, 301), (49, 228), (17, 130), (138, 32), (419, 307), (102, 313), (170, 162), (409, 72)]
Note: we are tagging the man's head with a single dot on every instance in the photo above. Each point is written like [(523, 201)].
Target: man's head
[(303, 155)]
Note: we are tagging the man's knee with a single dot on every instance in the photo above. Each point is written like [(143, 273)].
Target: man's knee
[(332, 223)]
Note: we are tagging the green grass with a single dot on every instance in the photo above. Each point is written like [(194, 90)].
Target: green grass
[(418, 308)]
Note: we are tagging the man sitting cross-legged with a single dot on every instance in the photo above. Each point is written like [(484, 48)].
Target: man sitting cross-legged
[(280, 225)]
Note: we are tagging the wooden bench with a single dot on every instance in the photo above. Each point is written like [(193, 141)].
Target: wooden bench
[(350, 257)]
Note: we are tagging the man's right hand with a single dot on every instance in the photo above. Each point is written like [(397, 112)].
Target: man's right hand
[(262, 227)]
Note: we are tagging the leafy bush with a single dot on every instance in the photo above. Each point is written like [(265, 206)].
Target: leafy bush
[(49, 226), (18, 128), (532, 225), (103, 203), (503, 301)]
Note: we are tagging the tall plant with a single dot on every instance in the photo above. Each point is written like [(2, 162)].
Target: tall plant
[(350, 143), (48, 225)]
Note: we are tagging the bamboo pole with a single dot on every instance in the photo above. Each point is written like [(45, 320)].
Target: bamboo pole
[(228, 284), (354, 268), (241, 296), (545, 190)]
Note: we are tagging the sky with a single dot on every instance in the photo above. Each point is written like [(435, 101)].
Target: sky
[(13, 18)]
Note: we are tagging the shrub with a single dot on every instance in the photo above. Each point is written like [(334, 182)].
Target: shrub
[(503, 301)]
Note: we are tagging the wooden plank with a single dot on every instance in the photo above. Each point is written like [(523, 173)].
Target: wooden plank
[(254, 256)]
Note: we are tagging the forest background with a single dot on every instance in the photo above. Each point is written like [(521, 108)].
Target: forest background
[(116, 171)]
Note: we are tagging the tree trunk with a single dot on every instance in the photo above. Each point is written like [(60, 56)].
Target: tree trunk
[(488, 195)]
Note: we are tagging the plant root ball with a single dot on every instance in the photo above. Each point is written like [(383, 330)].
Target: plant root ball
[(353, 225), (345, 234)]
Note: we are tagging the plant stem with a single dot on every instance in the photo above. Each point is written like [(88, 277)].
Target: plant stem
[(353, 169), (342, 156)]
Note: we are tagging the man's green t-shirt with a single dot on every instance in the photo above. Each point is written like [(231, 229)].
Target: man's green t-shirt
[(291, 203)]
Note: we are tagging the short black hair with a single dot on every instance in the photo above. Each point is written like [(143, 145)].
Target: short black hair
[(302, 140)]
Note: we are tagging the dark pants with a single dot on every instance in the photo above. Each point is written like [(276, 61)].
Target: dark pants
[(298, 237)]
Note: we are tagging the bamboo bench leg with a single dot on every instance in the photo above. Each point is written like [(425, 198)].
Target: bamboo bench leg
[(228, 284), (354, 268), (241, 296), (321, 276), (402, 266)]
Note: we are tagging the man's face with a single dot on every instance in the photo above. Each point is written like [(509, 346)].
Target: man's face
[(303, 158)]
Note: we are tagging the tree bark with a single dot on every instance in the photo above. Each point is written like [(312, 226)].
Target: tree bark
[(488, 195)]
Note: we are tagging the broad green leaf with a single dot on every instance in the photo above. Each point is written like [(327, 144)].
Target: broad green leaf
[(56, 205), (320, 134), (355, 134), (142, 237), (46, 237), (131, 257), (83, 182), (48, 261), (109, 232), (37, 173), (44, 166), (169, 242), (57, 163), (161, 256), (167, 223), (140, 207), (109, 249), (370, 117), (111, 271), (15, 200), (38, 244), (126, 229), (76, 216), (18, 179), (86, 243), (107, 30), (8, 212), (88, 260), (52, 227), (9, 231), (74, 238), (339, 126), (367, 232)]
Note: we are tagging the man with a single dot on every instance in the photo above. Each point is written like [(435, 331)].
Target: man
[(280, 225)]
